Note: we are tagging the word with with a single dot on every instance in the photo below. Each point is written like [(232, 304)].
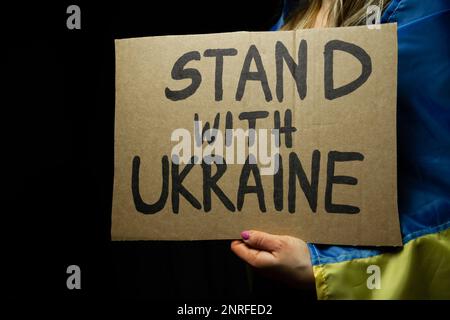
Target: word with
[(221, 146)]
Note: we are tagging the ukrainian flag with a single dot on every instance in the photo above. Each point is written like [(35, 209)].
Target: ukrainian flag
[(421, 268)]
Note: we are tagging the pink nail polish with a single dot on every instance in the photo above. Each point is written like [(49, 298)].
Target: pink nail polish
[(245, 235)]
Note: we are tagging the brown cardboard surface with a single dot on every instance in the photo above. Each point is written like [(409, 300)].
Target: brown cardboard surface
[(356, 128)]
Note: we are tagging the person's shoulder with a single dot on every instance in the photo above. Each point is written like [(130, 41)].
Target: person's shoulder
[(407, 11)]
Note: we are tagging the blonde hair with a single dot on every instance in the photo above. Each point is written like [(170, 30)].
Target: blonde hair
[(341, 13)]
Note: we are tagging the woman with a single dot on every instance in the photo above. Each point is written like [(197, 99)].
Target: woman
[(421, 269)]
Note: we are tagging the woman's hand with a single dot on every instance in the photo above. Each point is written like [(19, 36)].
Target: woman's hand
[(283, 258)]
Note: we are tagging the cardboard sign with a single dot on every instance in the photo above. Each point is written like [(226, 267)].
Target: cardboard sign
[(285, 132)]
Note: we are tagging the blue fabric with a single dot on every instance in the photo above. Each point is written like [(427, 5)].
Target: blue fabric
[(423, 125), (288, 6)]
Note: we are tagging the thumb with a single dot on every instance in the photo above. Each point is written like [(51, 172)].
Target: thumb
[(261, 240)]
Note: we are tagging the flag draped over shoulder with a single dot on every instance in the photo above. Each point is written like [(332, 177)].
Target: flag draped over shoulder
[(420, 269)]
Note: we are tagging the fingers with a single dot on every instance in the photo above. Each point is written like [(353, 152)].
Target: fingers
[(262, 240), (254, 257), (256, 248), (282, 257)]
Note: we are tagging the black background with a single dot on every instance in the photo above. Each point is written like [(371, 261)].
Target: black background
[(58, 129)]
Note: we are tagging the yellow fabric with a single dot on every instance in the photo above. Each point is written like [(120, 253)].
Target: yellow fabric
[(419, 270)]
